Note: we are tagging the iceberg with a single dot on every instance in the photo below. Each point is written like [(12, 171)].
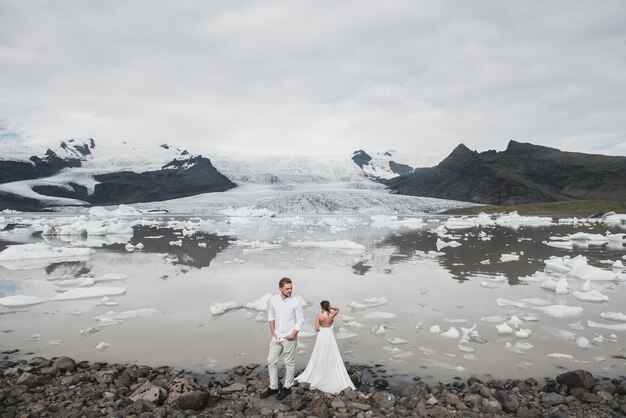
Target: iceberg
[(612, 327), (561, 311), (591, 296), (614, 316), (39, 255)]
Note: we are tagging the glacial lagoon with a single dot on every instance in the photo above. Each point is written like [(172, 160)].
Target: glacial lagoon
[(430, 296)]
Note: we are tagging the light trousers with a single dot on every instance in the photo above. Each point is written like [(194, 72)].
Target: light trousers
[(288, 349)]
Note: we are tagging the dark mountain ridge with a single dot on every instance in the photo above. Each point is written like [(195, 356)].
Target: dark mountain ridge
[(523, 173)]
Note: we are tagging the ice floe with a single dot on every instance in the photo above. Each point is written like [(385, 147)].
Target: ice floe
[(451, 333), (561, 311), (38, 255), (591, 296), (260, 304), (560, 356), (443, 244), (505, 258), (121, 316), (21, 300), (583, 342), (612, 327), (392, 221), (337, 245), (506, 302), (514, 220), (396, 341), (88, 292), (379, 315), (122, 210), (504, 329), (435, 329), (219, 308), (614, 316)]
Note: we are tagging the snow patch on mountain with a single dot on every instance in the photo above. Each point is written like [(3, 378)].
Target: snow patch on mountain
[(389, 164)]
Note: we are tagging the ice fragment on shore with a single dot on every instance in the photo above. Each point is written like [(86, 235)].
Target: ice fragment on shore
[(219, 308), (561, 311), (591, 296), (614, 316), (102, 346)]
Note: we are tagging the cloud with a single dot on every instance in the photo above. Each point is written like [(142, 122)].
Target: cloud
[(312, 77)]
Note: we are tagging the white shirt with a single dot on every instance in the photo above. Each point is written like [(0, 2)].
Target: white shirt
[(287, 314)]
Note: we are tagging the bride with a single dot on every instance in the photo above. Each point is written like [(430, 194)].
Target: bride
[(326, 370)]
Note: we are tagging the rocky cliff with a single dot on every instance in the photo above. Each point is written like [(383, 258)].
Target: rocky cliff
[(523, 173)]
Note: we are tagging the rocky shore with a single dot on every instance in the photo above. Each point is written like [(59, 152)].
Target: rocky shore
[(63, 387)]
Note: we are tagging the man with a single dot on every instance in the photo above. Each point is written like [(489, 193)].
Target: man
[(286, 318)]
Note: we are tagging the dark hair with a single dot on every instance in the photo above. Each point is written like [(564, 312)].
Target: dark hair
[(283, 282), (325, 305)]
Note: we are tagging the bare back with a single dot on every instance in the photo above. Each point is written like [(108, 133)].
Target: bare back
[(325, 319)]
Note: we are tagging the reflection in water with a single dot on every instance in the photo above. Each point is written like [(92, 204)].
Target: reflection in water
[(197, 250), (481, 254)]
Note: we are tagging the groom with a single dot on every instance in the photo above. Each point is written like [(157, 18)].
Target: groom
[(286, 318)]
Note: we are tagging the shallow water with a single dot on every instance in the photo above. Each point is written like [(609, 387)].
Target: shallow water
[(182, 282)]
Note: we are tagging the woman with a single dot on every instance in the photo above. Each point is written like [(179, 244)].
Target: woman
[(325, 370)]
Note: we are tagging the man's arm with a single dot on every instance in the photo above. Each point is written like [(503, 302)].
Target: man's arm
[(299, 321), (271, 317)]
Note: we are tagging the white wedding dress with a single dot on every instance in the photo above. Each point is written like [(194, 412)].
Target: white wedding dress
[(326, 370)]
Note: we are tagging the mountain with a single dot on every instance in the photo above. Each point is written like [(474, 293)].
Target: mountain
[(75, 173), (523, 173), (382, 165)]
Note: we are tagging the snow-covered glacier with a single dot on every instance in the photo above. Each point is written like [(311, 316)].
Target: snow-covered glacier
[(285, 184)]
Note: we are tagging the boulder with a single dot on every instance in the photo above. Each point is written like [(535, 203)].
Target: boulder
[(64, 364), (149, 392), (382, 400), (550, 399), (577, 379), (183, 393), (509, 402)]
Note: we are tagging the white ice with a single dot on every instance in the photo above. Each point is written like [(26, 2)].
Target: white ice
[(89, 292), (38, 255), (396, 341), (379, 315), (435, 329), (506, 302), (612, 327), (443, 244), (21, 300), (260, 304), (219, 308), (102, 346), (121, 316), (504, 329), (561, 311), (505, 258), (614, 316), (451, 333), (339, 245), (591, 296)]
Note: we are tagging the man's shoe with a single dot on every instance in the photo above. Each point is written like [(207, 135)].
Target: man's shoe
[(269, 392), (282, 394)]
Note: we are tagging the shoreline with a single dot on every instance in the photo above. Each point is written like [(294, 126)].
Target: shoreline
[(61, 386)]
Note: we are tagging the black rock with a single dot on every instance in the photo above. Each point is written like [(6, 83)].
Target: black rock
[(577, 379), (381, 384)]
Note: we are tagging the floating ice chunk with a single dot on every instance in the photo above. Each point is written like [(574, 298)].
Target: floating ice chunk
[(451, 333), (375, 301), (536, 301), (355, 324), (107, 301), (515, 322), (523, 333), (514, 220), (560, 356), (504, 329), (530, 317), (568, 245), (488, 285), (576, 326), (584, 271), (495, 318), (485, 262), (248, 211), (548, 284), (392, 221), (591, 296), (466, 349), (356, 305), (91, 330), (510, 347), (378, 330), (20, 300), (459, 223), (561, 311), (618, 264), (582, 342), (78, 282), (55, 342), (338, 245), (129, 247), (90, 292), (598, 339), (396, 341), (260, 304), (443, 244), (455, 320), (122, 210), (177, 243), (599, 358), (345, 333), (612, 327), (380, 315), (202, 244), (102, 346), (538, 276), (34, 337), (506, 302), (586, 286), (505, 258), (435, 329), (561, 287), (219, 308), (31, 256), (120, 316), (614, 316)]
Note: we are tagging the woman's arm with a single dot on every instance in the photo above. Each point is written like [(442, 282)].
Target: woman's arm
[(334, 312), (317, 323)]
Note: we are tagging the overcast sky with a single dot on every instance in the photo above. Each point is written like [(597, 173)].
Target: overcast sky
[(300, 77)]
